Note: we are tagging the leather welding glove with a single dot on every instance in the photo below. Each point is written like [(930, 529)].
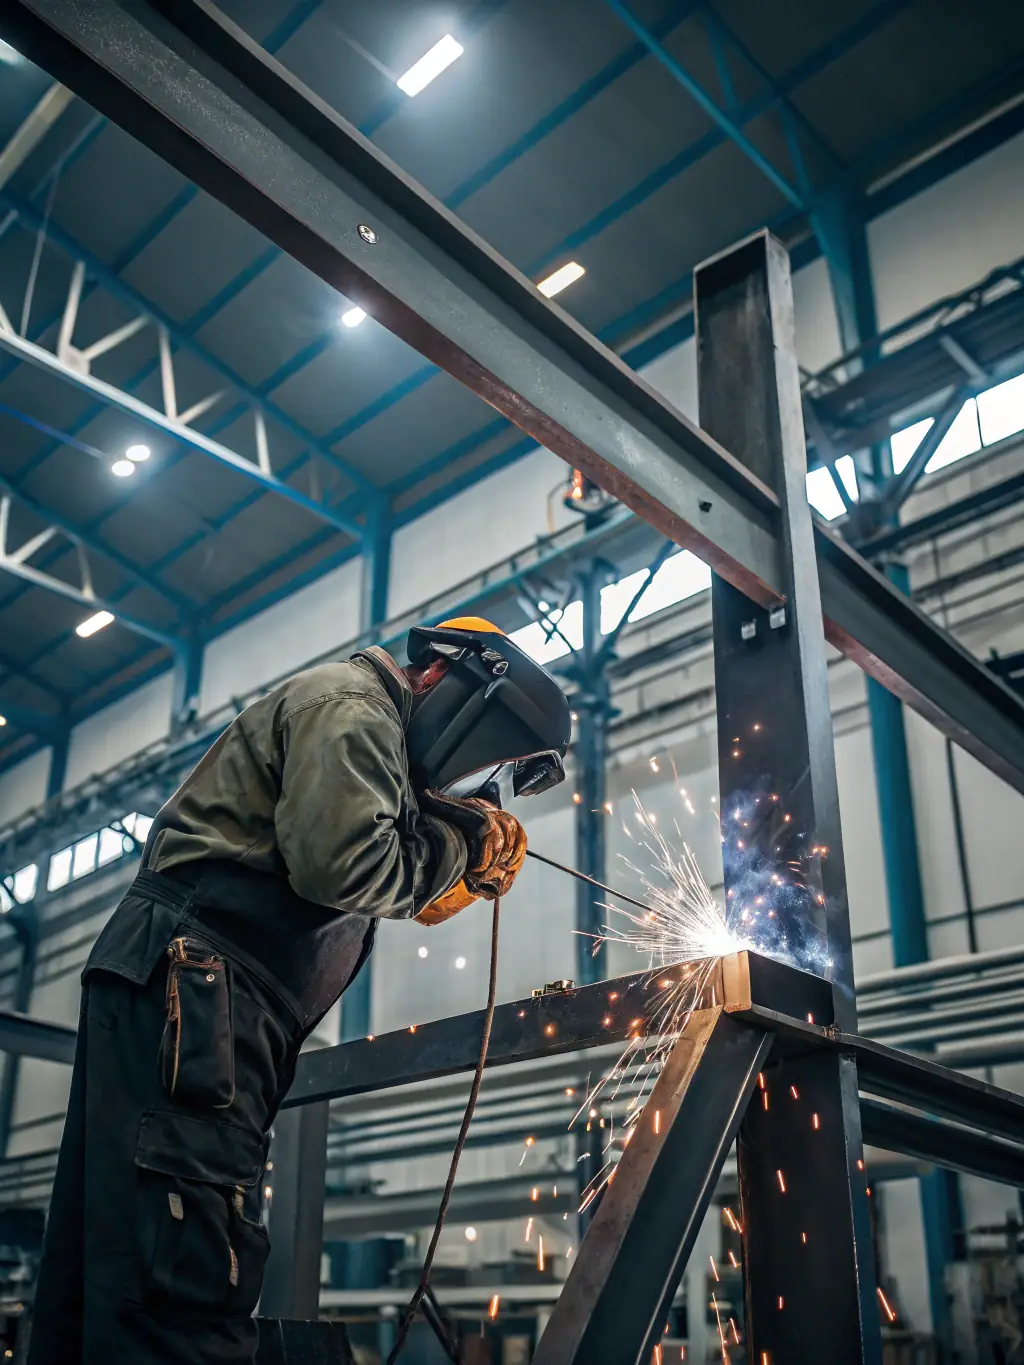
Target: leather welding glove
[(497, 849)]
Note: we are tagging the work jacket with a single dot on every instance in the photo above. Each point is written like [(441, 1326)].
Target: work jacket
[(291, 837)]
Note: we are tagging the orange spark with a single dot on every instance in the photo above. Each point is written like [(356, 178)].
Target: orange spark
[(886, 1305), (535, 1194), (540, 1252), (803, 1238), (657, 1120), (794, 1092), (492, 1308), (714, 1268), (782, 1303), (782, 1181), (815, 1121), (733, 1261), (529, 1228), (760, 1079)]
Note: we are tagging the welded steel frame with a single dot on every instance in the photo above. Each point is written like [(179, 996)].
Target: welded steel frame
[(194, 88), (198, 91), (750, 1037)]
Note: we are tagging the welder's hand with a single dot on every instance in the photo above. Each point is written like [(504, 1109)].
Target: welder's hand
[(499, 853), (496, 844)]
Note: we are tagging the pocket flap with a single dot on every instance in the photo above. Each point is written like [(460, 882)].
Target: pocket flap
[(200, 1149)]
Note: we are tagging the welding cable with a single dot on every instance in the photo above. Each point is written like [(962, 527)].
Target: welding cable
[(412, 1308)]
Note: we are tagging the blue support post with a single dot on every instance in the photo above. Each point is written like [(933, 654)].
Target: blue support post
[(357, 1002), (188, 679), (58, 770), (376, 568), (593, 706), (838, 221)]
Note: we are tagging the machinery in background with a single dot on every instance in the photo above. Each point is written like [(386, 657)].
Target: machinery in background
[(987, 1296)]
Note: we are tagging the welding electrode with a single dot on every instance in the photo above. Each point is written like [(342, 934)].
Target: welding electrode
[(582, 876)]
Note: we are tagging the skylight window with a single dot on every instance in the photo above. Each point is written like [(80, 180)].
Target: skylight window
[(430, 66)]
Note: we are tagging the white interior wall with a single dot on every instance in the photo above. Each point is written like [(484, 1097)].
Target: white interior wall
[(950, 235), (24, 786), (475, 529), (287, 635), (120, 730)]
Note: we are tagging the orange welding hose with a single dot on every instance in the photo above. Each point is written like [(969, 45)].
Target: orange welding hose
[(492, 989)]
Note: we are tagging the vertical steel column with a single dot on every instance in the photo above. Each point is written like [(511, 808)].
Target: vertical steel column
[(809, 1262), (298, 1155), (593, 705)]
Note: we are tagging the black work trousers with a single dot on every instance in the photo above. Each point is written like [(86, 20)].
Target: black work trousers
[(154, 1248)]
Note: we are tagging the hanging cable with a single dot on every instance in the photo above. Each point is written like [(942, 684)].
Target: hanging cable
[(412, 1308)]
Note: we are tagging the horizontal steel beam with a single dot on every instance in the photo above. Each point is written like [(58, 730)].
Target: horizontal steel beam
[(942, 1144), (24, 1036), (546, 1025), (202, 94)]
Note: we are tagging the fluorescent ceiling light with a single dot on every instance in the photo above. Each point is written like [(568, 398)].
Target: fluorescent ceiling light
[(353, 317), (430, 65), (122, 469), (9, 55), (94, 623), (138, 453), (561, 279)]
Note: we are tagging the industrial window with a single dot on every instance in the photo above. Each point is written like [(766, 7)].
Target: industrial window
[(1001, 410), (96, 850), (59, 873), (20, 888), (83, 857), (993, 416), (683, 575), (112, 846)]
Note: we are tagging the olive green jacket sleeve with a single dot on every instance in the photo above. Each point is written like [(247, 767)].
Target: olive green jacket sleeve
[(348, 826)]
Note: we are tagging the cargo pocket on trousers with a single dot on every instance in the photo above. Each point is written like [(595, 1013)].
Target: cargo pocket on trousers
[(199, 1250), (197, 1054)]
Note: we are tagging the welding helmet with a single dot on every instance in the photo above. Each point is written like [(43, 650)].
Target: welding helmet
[(495, 713)]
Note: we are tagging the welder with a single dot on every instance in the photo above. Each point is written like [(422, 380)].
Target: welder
[(338, 799)]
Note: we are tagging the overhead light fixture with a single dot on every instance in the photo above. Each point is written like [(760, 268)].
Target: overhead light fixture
[(460, 962), (3, 720), (353, 317), (561, 279), (122, 469), (422, 950), (10, 56), (138, 453), (430, 65), (94, 623)]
